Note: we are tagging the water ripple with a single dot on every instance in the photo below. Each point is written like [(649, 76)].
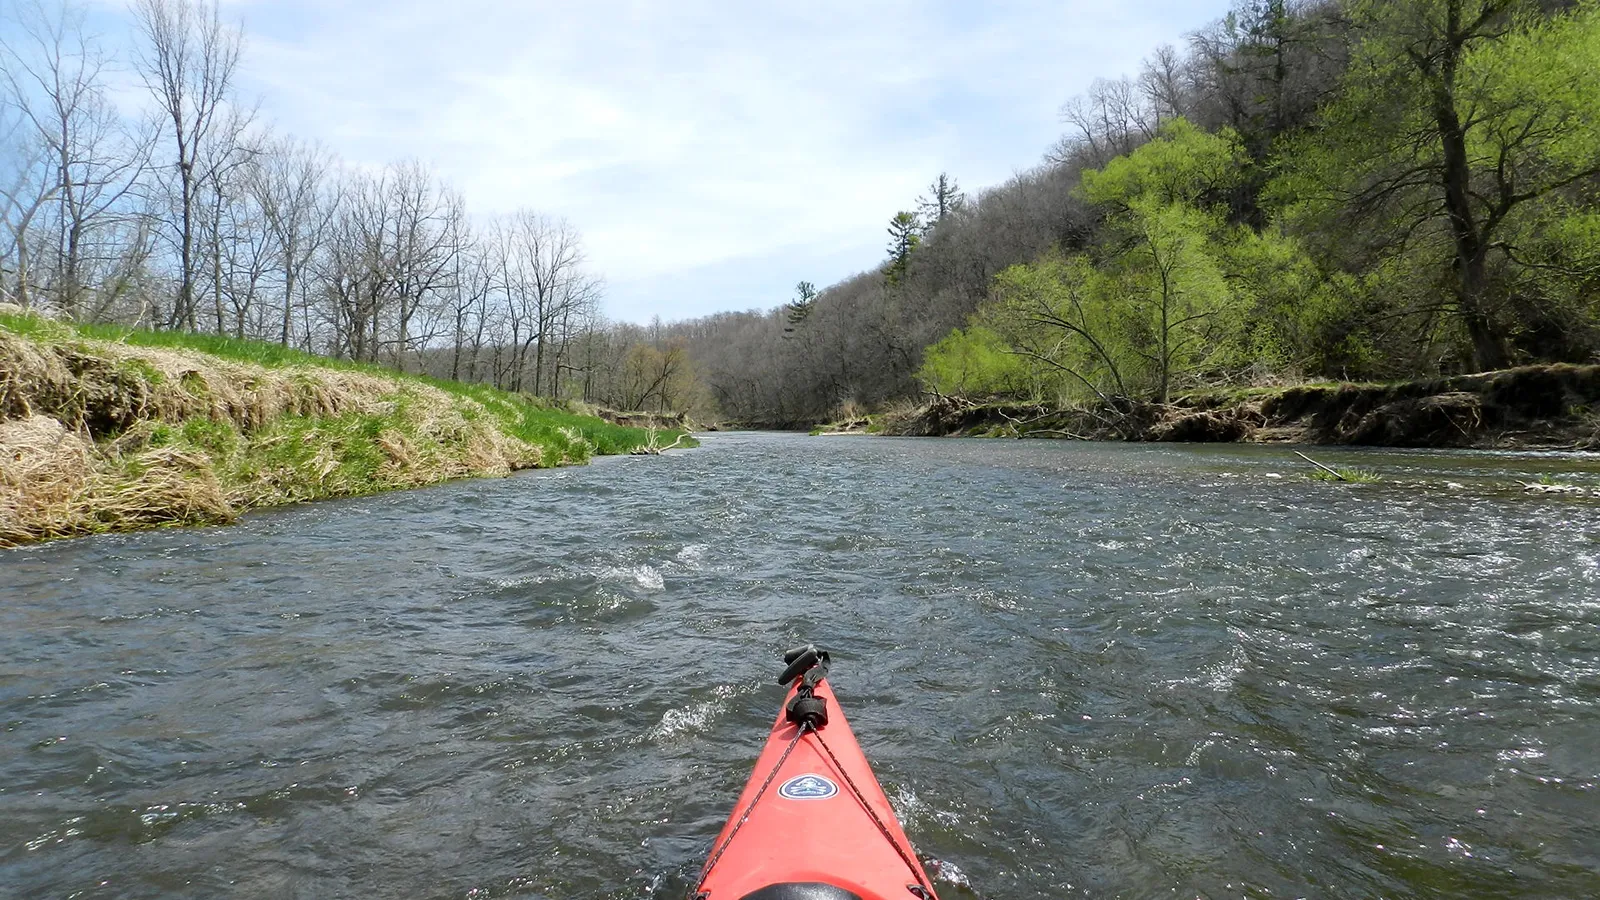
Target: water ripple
[(1080, 670)]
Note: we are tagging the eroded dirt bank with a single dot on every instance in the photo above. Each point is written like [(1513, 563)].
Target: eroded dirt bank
[(1553, 406)]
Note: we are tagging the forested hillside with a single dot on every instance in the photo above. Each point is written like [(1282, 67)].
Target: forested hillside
[(1371, 189)]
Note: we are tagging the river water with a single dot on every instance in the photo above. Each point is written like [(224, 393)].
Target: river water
[(1081, 670)]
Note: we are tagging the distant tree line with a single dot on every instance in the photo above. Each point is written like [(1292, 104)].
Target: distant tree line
[(1365, 189), (200, 217)]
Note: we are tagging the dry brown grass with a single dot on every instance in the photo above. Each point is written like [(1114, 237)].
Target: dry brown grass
[(43, 470), (54, 483)]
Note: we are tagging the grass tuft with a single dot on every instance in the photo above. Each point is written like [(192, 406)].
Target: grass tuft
[(1358, 476)]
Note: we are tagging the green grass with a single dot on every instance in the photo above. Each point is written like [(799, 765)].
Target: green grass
[(34, 325), (299, 457), (290, 447), (539, 421), (218, 439), (261, 353), (140, 369)]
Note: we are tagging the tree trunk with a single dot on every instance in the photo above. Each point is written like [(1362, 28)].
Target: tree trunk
[(455, 356), (1488, 349), (216, 260), (1471, 241), (1471, 246), (183, 311), (73, 227), (538, 361), (288, 305)]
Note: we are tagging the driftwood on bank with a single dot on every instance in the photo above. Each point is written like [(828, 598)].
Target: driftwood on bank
[(1554, 405)]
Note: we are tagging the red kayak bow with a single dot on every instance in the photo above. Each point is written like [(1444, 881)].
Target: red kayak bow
[(812, 822)]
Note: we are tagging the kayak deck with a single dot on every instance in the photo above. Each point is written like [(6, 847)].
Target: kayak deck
[(811, 822)]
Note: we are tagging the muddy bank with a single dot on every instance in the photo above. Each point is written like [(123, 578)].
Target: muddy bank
[(1554, 406), (659, 421)]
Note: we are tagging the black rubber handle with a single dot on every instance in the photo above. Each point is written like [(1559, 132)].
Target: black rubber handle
[(797, 652), (799, 664)]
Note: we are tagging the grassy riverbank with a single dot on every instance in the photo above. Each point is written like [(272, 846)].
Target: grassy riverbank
[(108, 430), (1547, 406)]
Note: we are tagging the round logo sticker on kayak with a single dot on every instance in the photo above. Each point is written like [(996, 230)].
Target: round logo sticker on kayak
[(808, 787)]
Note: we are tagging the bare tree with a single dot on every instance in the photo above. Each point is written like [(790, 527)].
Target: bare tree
[(351, 269), (22, 194), (125, 284), (245, 252), (231, 226), (575, 314), (424, 229), (188, 61), (390, 262), (289, 184), (471, 285), (53, 74), (1163, 81), (541, 263), (1111, 119)]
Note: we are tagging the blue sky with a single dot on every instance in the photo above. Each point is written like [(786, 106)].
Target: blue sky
[(711, 152)]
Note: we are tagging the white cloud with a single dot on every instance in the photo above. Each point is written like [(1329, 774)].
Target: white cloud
[(697, 135)]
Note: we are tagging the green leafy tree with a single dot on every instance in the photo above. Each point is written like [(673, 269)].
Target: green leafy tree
[(1182, 165), (1457, 118), (1289, 304), (976, 361), (1181, 314), (1560, 262), (1164, 261), (1164, 297), (1058, 314)]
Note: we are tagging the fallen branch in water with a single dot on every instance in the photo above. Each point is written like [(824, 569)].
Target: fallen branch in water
[(650, 449), (1334, 472), (1535, 487)]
